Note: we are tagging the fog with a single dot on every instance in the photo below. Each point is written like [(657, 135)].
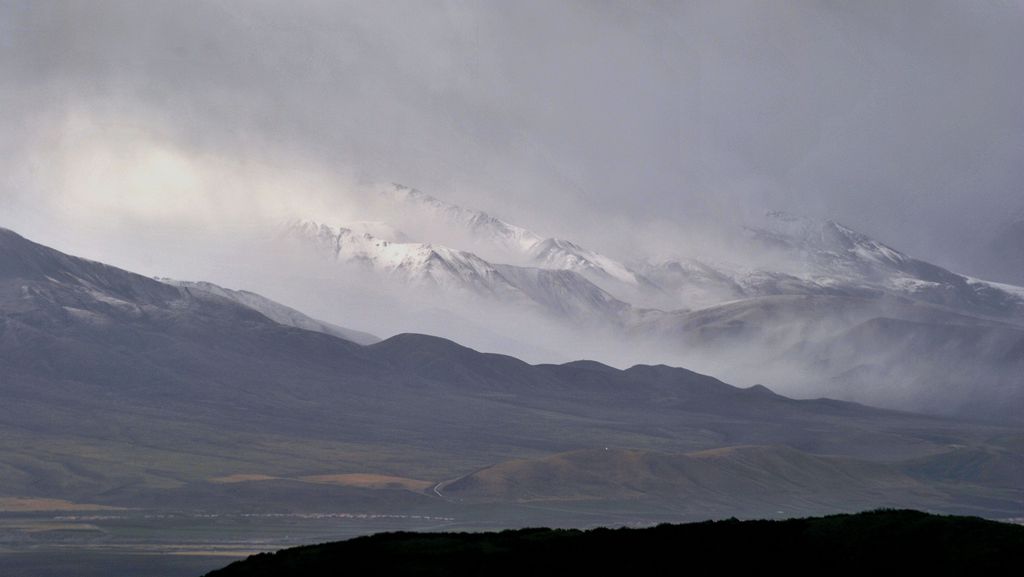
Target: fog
[(590, 119), (175, 138)]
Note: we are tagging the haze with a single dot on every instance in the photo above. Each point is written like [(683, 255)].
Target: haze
[(640, 120)]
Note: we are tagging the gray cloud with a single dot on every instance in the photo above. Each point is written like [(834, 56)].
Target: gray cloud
[(590, 119)]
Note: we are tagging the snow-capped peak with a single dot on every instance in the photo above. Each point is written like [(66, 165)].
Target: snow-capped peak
[(830, 254), (564, 293), (505, 242), (378, 229), (414, 262), (827, 243), (483, 227), (557, 253)]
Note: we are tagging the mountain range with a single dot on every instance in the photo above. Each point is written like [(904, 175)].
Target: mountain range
[(122, 390), (143, 419), (836, 313)]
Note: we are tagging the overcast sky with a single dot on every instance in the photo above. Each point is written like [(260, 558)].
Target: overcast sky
[(592, 120)]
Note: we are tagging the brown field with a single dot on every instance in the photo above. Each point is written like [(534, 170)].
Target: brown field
[(48, 526), (370, 481), (242, 478), (31, 504)]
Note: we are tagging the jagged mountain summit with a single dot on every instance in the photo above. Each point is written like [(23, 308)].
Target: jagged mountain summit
[(506, 243), (812, 257), (809, 256), (412, 262), (562, 293), (484, 228), (830, 253)]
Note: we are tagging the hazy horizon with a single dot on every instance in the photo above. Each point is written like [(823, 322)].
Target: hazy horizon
[(643, 126)]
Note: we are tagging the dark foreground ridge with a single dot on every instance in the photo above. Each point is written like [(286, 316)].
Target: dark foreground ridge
[(883, 541)]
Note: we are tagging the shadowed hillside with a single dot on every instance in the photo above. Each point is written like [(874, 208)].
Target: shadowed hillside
[(886, 542)]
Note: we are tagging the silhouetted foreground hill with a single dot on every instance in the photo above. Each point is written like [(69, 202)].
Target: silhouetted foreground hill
[(884, 541)]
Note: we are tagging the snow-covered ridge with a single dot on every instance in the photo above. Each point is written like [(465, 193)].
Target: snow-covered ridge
[(797, 300), (808, 257), (562, 292), (555, 253), (830, 254), (826, 237), (378, 229), (415, 262), (273, 310), (486, 227), (516, 243)]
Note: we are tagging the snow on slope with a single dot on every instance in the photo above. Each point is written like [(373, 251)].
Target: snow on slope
[(808, 257), (813, 257), (830, 254), (378, 229), (275, 311), (484, 228), (414, 262), (829, 247), (808, 280), (562, 254), (568, 293), (563, 293), (500, 241)]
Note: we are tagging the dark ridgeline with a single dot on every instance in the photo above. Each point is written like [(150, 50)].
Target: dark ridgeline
[(885, 542)]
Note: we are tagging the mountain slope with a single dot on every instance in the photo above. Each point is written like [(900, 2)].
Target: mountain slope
[(418, 263), (501, 241), (746, 323), (567, 294), (818, 257), (121, 390), (926, 363), (830, 252), (562, 294), (484, 229), (275, 311), (890, 351)]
